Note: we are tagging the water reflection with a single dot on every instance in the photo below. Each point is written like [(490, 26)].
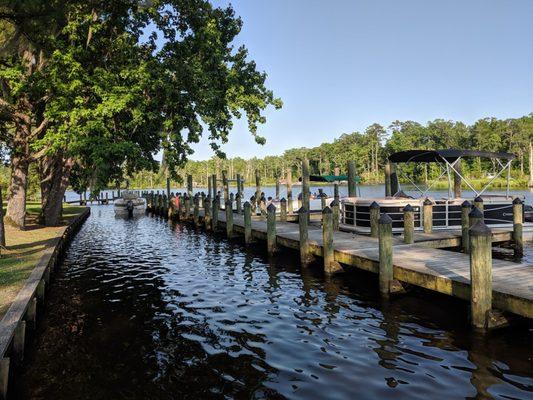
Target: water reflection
[(146, 309)]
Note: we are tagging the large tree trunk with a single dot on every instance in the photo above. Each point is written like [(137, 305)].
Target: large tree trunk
[(55, 174), (16, 204)]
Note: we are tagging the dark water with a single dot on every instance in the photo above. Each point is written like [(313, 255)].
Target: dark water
[(146, 309)]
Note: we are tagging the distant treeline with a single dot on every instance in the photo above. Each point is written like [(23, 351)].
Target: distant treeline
[(369, 149)]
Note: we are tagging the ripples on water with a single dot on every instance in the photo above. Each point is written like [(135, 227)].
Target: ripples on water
[(146, 309)]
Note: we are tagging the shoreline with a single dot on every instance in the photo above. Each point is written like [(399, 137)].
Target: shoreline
[(23, 310)]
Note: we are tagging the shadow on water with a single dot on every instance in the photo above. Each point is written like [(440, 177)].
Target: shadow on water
[(147, 309)]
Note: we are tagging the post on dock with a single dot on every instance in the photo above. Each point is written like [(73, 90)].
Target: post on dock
[(187, 207), (4, 377), (478, 202), (257, 186), (303, 224), (19, 339), (336, 192), (225, 184), (229, 219), (202, 198), (408, 224), (214, 218), (189, 185), (247, 222), (474, 216), (323, 198), (394, 181), (277, 186), (387, 180), (181, 200), (271, 228), (238, 202), (283, 210), (427, 215), (305, 185), (518, 220), (196, 211), (263, 206), (214, 185), (164, 206), (457, 179), (328, 252), (168, 187), (239, 185), (207, 213), (288, 182), (466, 207), (385, 255), (351, 179), (336, 214), (209, 185), (374, 219), (480, 274)]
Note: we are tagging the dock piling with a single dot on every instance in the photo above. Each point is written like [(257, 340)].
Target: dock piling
[(247, 222), (271, 228), (336, 213), (283, 210), (474, 216), (387, 180), (351, 179), (289, 190), (466, 207), (196, 211), (478, 202), (257, 186), (374, 219), (305, 184), (427, 215), (328, 252), (214, 218), (229, 219), (480, 274), (303, 225), (207, 213), (518, 220), (385, 254), (238, 202), (408, 224)]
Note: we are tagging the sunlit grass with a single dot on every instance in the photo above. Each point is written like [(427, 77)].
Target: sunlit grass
[(24, 249)]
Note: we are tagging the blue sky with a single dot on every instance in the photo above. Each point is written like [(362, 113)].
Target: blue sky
[(341, 65)]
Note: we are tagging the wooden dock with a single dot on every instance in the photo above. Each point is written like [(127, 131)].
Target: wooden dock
[(425, 263)]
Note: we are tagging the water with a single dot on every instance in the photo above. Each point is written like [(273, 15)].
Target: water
[(147, 309)]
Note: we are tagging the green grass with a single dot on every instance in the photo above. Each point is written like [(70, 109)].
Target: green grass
[(23, 250), (499, 183)]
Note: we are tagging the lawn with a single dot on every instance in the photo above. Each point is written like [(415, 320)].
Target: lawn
[(23, 250)]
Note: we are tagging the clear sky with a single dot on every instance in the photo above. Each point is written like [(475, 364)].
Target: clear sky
[(341, 65)]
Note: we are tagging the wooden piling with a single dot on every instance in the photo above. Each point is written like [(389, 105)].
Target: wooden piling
[(474, 216), (305, 184), (4, 377), (239, 185), (387, 180), (518, 221), (351, 179), (385, 255), (335, 208), (288, 183), (229, 219), (187, 207), (478, 202), (408, 224), (225, 185), (271, 228), (323, 198), (257, 186), (283, 210), (210, 186), (328, 253), (277, 187), (247, 222), (374, 219), (427, 215), (480, 274), (466, 207), (207, 213), (214, 218), (189, 186), (457, 180), (303, 224), (196, 211), (168, 188), (394, 181), (238, 202), (214, 185), (19, 339), (336, 192)]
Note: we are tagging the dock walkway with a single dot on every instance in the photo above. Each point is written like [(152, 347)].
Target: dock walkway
[(422, 264)]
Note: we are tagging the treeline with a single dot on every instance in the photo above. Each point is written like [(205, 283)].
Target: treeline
[(369, 149), (91, 90)]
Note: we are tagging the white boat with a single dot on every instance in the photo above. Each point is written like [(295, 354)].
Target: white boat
[(130, 204)]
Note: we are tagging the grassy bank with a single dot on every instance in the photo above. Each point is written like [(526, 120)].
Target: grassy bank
[(499, 183), (23, 250)]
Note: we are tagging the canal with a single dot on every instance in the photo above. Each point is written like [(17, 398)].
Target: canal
[(149, 309)]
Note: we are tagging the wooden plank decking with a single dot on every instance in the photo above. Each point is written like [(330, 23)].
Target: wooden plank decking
[(422, 264)]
